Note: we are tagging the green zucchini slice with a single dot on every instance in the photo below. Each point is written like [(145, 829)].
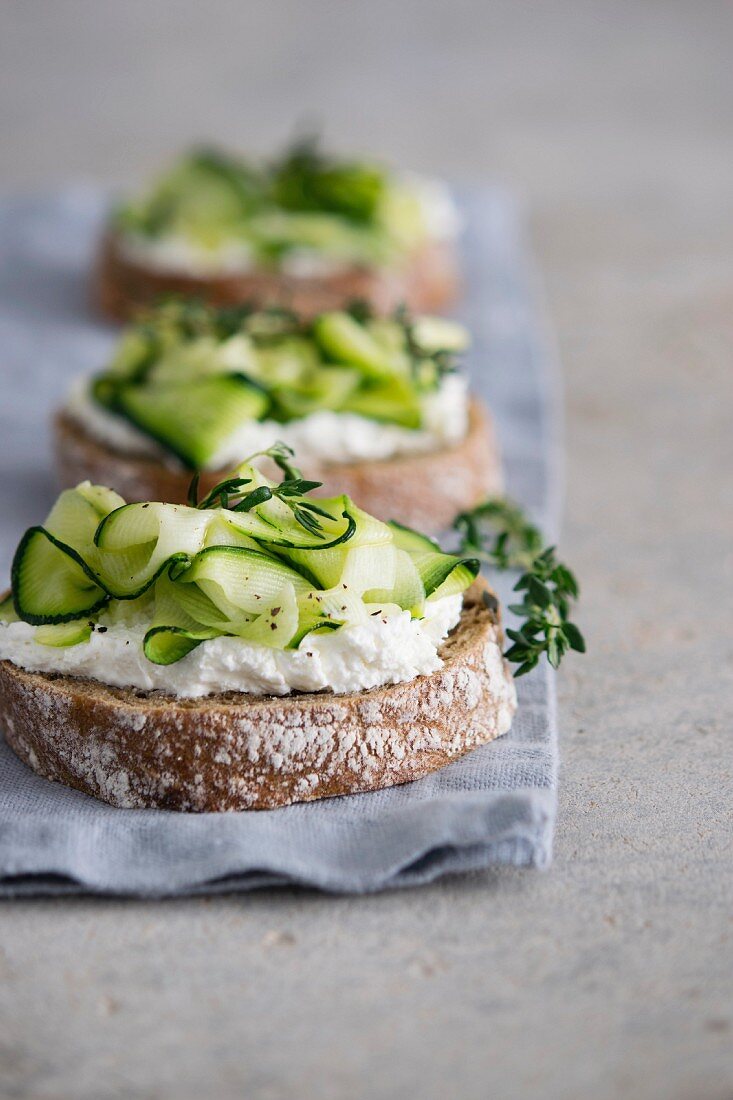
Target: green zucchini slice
[(165, 645), (192, 418), (346, 341), (138, 542), (174, 632), (391, 400), (51, 582), (237, 579), (406, 590), (62, 635), (8, 614), (444, 575), (406, 538)]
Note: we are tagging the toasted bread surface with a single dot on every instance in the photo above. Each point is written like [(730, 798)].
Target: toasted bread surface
[(423, 490), (235, 751), (427, 282)]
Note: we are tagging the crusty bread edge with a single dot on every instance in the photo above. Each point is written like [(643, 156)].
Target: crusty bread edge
[(422, 490), (236, 752), (428, 282)]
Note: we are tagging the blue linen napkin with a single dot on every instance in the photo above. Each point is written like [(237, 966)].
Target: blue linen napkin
[(496, 805)]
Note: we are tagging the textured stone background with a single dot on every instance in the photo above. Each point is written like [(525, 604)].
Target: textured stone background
[(611, 974)]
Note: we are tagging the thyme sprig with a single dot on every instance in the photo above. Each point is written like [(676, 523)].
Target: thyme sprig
[(292, 490), (498, 532)]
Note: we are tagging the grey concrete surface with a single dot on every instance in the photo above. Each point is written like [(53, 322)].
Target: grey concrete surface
[(610, 975)]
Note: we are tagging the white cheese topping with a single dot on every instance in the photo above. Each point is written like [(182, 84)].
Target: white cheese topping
[(174, 254), (387, 649), (322, 436), (177, 254)]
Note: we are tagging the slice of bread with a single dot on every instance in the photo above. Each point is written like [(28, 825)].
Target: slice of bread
[(242, 752), (424, 491), (427, 283)]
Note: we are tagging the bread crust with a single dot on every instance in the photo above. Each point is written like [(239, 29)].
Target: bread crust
[(242, 752), (429, 281), (424, 491)]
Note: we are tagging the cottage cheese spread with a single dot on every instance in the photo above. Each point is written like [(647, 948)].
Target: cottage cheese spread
[(323, 436), (177, 254), (386, 649)]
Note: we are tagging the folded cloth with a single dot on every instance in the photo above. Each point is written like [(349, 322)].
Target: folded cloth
[(494, 806)]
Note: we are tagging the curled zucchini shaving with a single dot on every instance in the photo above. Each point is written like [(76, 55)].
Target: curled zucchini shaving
[(188, 376), (352, 211), (255, 559)]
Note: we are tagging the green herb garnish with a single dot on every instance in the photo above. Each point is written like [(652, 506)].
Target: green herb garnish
[(292, 491), (306, 179), (498, 532)]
